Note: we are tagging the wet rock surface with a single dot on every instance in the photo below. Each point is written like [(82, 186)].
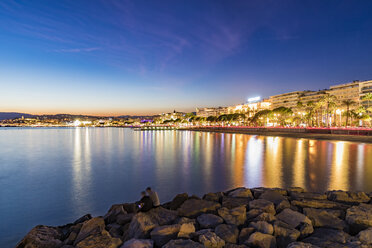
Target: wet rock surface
[(238, 218)]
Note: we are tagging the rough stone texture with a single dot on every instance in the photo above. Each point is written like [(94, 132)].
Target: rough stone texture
[(365, 236), (138, 243), (263, 227), (42, 237), (310, 203), (292, 218), (100, 240), (211, 240), (143, 223), (186, 230), (113, 213), (91, 227), (265, 217), (359, 217), (163, 234), (233, 202), (348, 197), (229, 233), (213, 196), (195, 207), (182, 243), (307, 195), (322, 218), (124, 219), (285, 234), (209, 221), (184, 220), (326, 237), (178, 201), (261, 240), (244, 234), (235, 216), (301, 245), (264, 205), (241, 192)]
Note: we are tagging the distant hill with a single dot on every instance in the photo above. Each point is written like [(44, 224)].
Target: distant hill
[(13, 115)]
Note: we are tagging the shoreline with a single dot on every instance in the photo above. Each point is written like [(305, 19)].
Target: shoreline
[(317, 136), (237, 218)]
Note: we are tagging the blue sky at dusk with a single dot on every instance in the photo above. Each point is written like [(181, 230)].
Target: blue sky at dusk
[(115, 57)]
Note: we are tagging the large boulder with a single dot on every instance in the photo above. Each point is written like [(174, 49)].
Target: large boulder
[(211, 240), (178, 200), (114, 212), (42, 237), (307, 195), (186, 230), (233, 202), (261, 240), (359, 217), (195, 207), (94, 226), (138, 243), (311, 203), (229, 233), (236, 216), (260, 190), (209, 220), (348, 197), (365, 236), (262, 227), (273, 196), (213, 196), (301, 245), (163, 234), (323, 218), (99, 240), (241, 192), (182, 243), (293, 218), (326, 237), (264, 205), (285, 234), (143, 223), (245, 233)]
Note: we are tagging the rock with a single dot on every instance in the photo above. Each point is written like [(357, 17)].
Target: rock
[(235, 216), (143, 223), (114, 230), (138, 243), (124, 219), (99, 240), (265, 217), (305, 229), (261, 240), (254, 213), (365, 236), (42, 237), (163, 234), (245, 233), (348, 197), (228, 245), (178, 201), (359, 217), (322, 218), (295, 190), (260, 190), (233, 202), (301, 245), (241, 192), (273, 197), (263, 205), (113, 212), (262, 227), (229, 233), (83, 219), (211, 240), (307, 195), (130, 207), (195, 207), (292, 218), (186, 230), (213, 196), (182, 243), (209, 220), (326, 236), (309, 203), (94, 226), (285, 234), (184, 220)]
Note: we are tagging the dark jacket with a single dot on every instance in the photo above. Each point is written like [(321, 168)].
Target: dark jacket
[(146, 204)]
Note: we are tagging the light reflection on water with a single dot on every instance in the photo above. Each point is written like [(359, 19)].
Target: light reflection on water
[(53, 176)]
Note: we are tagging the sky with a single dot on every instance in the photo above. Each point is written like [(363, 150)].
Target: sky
[(116, 57)]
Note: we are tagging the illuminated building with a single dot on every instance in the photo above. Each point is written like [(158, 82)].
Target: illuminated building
[(288, 100), (206, 112), (348, 91)]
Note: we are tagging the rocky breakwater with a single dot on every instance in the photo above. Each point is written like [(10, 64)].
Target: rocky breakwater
[(258, 217)]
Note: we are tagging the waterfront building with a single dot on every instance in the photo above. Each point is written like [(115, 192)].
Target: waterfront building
[(206, 112), (288, 100), (348, 91), (364, 88)]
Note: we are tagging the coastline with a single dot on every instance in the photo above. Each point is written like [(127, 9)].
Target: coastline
[(237, 218), (266, 132)]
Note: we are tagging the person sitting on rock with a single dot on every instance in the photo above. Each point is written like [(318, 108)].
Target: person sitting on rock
[(145, 204), (154, 197)]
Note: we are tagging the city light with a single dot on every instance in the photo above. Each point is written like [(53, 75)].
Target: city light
[(254, 99)]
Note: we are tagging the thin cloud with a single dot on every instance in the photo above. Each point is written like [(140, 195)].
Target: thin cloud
[(77, 50)]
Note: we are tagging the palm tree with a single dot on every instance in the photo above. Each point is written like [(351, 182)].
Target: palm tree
[(368, 98), (348, 103), (328, 101), (310, 107)]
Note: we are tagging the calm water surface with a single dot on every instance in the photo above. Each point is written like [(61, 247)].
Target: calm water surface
[(53, 176)]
